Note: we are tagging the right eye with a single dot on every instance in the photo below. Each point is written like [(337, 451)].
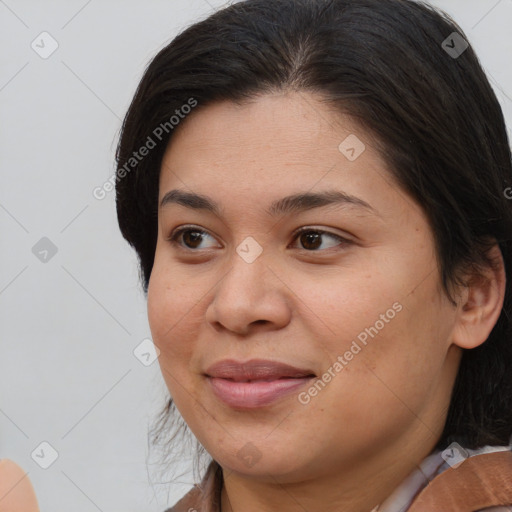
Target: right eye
[(189, 235)]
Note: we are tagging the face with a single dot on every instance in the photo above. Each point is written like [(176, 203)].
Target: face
[(355, 299)]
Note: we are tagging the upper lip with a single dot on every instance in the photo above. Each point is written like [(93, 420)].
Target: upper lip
[(255, 369)]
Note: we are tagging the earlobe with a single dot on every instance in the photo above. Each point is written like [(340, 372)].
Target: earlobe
[(481, 303)]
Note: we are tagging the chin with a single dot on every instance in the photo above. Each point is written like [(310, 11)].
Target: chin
[(265, 464)]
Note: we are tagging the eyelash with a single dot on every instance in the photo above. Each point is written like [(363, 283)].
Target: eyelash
[(173, 237)]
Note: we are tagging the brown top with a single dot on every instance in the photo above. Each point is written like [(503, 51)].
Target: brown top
[(479, 482)]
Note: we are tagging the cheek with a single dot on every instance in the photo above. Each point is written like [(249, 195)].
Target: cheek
[(158, 307), (400, 367), (342, 304), (384, 387), (170, 310), (163, 315), (391, 341), (170, 301), (176, 305)]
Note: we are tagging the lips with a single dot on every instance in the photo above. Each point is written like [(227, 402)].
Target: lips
[(256, 383), (256, 370)]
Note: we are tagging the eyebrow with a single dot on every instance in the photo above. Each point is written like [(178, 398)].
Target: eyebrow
[(290, 204)]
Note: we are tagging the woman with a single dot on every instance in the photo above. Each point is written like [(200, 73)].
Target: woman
[(315, 191)]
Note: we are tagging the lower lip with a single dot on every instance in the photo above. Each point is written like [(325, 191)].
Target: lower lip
[(256, 393)]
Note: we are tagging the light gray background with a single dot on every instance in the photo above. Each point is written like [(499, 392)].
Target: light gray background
[(68, 327)]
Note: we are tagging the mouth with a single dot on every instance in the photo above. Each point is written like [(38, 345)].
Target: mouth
[(256, 383)]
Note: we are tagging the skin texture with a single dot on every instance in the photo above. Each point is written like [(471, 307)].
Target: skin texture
[(16, 491), (304, 302)]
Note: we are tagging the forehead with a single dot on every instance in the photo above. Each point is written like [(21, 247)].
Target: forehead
[(286, 139)]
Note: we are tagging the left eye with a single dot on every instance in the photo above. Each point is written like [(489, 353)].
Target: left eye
[(311, 239)]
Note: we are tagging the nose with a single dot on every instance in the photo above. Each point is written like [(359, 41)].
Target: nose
[(250, 297)]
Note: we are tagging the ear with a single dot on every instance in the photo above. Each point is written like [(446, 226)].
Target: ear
[(481, 303)]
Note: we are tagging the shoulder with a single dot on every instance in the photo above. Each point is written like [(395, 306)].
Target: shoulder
[(16, 491), (473, 480), (188, 503), (203, 497)]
